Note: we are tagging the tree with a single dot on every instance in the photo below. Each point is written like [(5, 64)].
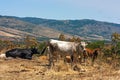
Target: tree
[(30, 42), (62, 37), (115, 42), (73, 39), (78, 39), (96, 44), (115, 37)]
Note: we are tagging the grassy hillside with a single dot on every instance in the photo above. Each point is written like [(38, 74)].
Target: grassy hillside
[(89, 29), (85, 28), (17, 27)]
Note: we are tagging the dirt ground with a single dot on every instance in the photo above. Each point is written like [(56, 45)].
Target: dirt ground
[(36, 69)]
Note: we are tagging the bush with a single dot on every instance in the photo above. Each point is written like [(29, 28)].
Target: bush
[(96, 44)]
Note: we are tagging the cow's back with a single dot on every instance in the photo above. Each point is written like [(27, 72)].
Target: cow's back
[(64, 46), (11, 53)]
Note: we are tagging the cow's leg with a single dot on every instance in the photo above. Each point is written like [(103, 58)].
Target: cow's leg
[(56, 56), (85, 55), (71, 60), (75, 58), (51, 62), (74, 61), (81, 57), (63, 56), (27, 56), (65, 59), (92, 60), (94, 56), (9, 58)]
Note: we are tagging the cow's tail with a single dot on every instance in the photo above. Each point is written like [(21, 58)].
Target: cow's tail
[(2, 56), (43, 50)]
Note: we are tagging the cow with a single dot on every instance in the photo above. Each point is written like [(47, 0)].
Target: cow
[(21, 53), (92, 53), (64, 48)]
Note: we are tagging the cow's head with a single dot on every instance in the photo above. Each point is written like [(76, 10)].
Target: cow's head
[(83, 45), (35, 50)]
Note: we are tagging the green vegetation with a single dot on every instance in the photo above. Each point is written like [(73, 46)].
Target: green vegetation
[(96, 44)]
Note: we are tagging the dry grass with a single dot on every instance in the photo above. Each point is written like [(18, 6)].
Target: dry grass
[(37, 69)]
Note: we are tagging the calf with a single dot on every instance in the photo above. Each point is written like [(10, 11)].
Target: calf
[(92, 53)]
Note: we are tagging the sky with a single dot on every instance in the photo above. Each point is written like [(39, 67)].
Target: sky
[(101, 10)]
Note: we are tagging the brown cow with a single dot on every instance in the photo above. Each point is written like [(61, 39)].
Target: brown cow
[(92, 53)]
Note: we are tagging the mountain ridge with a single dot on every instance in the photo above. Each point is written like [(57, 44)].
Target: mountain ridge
[(87, 28), (83, 28)]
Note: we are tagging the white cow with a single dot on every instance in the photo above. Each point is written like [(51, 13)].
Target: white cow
[(74, 49)]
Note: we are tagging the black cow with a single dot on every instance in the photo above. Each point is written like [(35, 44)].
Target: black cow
[(22, 53)]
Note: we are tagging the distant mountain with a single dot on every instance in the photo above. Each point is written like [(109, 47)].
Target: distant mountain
[(86, 28), (14, 27)]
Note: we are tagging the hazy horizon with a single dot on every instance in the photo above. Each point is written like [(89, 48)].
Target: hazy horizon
[(102, 10)]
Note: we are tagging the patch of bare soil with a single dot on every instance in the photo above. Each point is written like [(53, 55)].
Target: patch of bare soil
[(36, 69)]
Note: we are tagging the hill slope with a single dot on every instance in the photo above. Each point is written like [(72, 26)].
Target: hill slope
[(89, 29), (84, 28), (14, 27)]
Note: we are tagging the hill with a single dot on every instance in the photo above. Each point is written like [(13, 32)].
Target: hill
[(14, 27), (89, 29)]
